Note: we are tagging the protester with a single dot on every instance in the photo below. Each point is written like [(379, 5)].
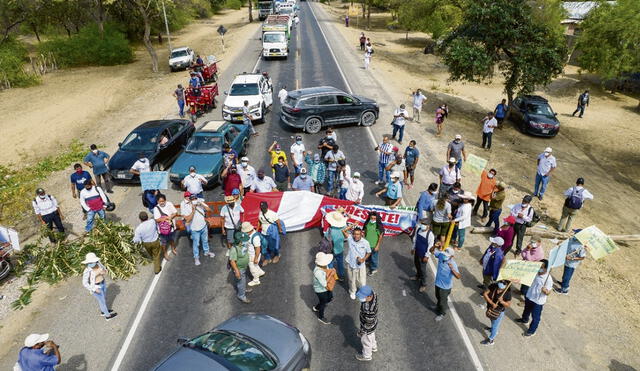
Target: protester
[(78, 178), (368, 322), (367, 59), (146, 233), (576, 252), (230, 214), (355, 188), (317, 170), (193, 183), (38, 354), (343, 173), (229, 155), (359, 252), (498, 298), (426, 201), (346, 20), (400, 117), (247, 117), (440, 222), (488, 124), (164, 214), (239, 261), (574, 200), (97, 160), (332, 158), (94, 202), (523, 212), (533, 252), (303, 182), (231, 180), (275, 152), (546, 165), (326, 143), (141, 165), (393, 191), (397, 165), (324, 279), (418, 100), (271, 227), (281, 175), (194, 212), (455, 150), (448, 174), (484, 192), (48, 212), (254, 246), (463, 219), (336, 234), (583, 102), (385, 150), (441, 114), (423, 241), (501, 112), (150, 199), (447, 269), (263, 183), (297, 153), (495, 205), (362, 40), (180, 98), (507, 232), (411, 157), (94, 280), (536, 298), (491, 262), (247, 174), (373, 233), (282, 94)]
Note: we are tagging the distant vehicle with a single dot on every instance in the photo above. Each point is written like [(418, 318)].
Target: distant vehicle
[(204, 150), (534, 115), (287, 9), (278, 23), (265, 8), (245, 342), (253, 87), (146, 139), (311, 109), (275, 44), (181, 58)]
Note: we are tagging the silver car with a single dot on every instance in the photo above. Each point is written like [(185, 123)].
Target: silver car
[(245, 342)]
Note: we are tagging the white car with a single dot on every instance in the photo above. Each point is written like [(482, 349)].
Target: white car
[(255, 88), (181, 58)]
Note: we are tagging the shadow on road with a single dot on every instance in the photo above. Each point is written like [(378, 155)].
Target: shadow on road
[(74, 363), (113, 290)]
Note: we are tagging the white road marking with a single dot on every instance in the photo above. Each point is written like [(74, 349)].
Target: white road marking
[(456, 318)]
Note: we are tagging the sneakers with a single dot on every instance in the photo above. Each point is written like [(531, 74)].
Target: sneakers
[(276, 259), (324, 321), (528, 334), (374, 350), (520, 320), (560, 291), (373, 272), (360, 357), (352, 296), (314, 308), (110, 316), (245, 300), (262, 274), (487, 342), (253, 283), (210, 254), (266, 262), (110, 311), (197, 261), (440, 317)]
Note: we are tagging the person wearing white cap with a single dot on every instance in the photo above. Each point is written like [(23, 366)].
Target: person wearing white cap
[(343, 173), (463, 218), (297, 153), (393, 191), (546, 165), (324, 280), (254, 248), (491, 261), (94, 280), (447, 269), (449, 174), (355, 188), (39, 353), (303, 182), (247, 174), (456, 150)]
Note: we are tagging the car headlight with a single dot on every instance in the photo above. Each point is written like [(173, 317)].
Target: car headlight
[(255, 106), (225, 107), (305, 344)]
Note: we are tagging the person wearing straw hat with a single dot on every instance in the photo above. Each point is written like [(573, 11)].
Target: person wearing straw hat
[(239, 261), (230, 214), (322, 285), (337, 234), (446, 271), (393, 191), (359, 252), (39, 353), (423, 240), (498, 298), (94, 280), (463, 218), (368, 322), (491, 261), (254, 246)]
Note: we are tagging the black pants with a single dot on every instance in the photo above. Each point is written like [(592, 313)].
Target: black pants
[(107, 181), (421, 269), (442, 295), (520, 230), (323, 299), (51, 219), (485, 207), (486, 140)]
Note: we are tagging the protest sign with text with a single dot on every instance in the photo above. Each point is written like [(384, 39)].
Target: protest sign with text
[(475, 164), (154, 180), (520, 271), (600, 245)]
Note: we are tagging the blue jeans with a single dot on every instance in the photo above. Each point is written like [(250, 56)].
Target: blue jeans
[(382, 173), (495, 326), (249, 124), (338, 263), (541, 185), (181, 107), (241, 284), (566, 278), (397, 129), (494, 218), (459, 164), (461, 235), (343, 194), (91, 217), (196, 236), (373, 260), (535, 311), (331, 174), (102, 298)]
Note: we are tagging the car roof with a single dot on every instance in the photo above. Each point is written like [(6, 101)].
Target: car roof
[(247, 78), (156, 124), (179, 49), (535, 98), (214, 125), (314, 91)]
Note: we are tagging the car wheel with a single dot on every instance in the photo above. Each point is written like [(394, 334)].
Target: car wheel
[(313, 125), (367, 118)]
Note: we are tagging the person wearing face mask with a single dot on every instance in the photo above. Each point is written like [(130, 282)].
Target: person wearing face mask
[(271, 227), (385, 150), (94, 280), (507, 232), (39, 353), (194, 210), (194, 182), (263, 183), (523, 212), (97, 160), (78, 178), (247, 174), (230, 214), (146, 233), (536, 298), (282, 94), (326, 144), (533, 253), (231, 180), (495, 206), (462, 219), (48, 212), (373, 233), (297, 153), (488, 124), (446, 271), (418, 101), (398, 165), (303, 182), (281, 175), (485, 189), (423, 241), (491, 261), (498, 298), (355, 188), (411, 157), (317, 171), (393, 191), (449, 174), (400, 117), (332, 158), (546, 165), (359, 252), (426, 201), (456, 150), (142, 165), (164, 214), (94, 201), (275, 151)]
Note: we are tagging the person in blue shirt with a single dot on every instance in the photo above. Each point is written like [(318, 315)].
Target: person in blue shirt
[(97, 160), (39, 353), (500, 112), (393, 191), (427, 201), (411, 157), (78, 178), (576, 252), (447, 269), (194, 81)]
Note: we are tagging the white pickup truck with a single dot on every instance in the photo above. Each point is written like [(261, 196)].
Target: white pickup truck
[(255, 88)]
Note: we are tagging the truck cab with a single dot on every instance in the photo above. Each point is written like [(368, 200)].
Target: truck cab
[(265, 9), (275, 44)]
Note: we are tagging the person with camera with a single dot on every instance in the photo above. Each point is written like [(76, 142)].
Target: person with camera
[(194, 209), (38, 353)]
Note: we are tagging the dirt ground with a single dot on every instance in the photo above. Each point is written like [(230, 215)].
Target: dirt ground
[(602, 147)]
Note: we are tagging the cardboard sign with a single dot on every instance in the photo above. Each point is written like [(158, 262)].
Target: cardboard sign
[(558, 255), (154, 180), (474, 164), (519, 271), (600, 245)]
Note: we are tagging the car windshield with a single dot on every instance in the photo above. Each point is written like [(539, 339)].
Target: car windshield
[(264, 5), (140, 141), (274, 38), (540, 109), (288, 10), (204, 144), (244, 89), (179, 53), (242, 353)]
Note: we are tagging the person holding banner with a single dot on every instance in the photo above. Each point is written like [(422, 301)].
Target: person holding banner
[(498, 298), (536, 298), (423, 240), (532, 253), (576, 252), (393, 191), (447, 269), (359, 252)]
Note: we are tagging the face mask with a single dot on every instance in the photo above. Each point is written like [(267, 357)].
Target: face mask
[(92, 265), (244, 164), (303, 176), (541, 270), (525, 205), (395, 180), (79, 171), (41, 197), (95, 151), (316, 161), (193, 174), (298, 142), (490, 176), (501, 286), (281, 163), (547, 154), (423, 227), (457, 141), (88, 188)]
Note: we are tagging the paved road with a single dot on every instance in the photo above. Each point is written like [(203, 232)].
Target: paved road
[(190, 300)]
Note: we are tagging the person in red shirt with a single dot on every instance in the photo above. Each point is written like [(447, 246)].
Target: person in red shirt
[(231, 180), (483, 193)]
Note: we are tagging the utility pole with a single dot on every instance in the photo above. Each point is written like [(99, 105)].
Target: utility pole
[(166, 25)]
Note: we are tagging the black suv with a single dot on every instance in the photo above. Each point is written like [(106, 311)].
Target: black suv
[(313, 108), (534, 115)]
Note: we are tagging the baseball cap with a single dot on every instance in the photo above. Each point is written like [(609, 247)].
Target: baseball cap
[(34, 339), (187, 194), (548, 150), (303, 171), (235, 192), (244, 159), (356, 175), (458, 136), (497, 240), (449, 252), (453, 160), (298, 137), (39, 191), (363, 292), (192, 168)]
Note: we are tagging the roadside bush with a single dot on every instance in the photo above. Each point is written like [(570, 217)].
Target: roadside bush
[(87, 48), (233, 4), (13, 55)]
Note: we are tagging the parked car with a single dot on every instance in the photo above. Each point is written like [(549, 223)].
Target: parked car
[(245, 342), (534, 115), (147, 139), (181, 58), (311, 109), (253, 87), (204, 150)]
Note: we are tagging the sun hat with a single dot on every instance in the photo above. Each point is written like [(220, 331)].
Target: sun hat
[(363, 292), (229, 199), (449, 252), (303, 171), (323, 259), (34, 339), (497, 240), (548, 150), (90, 258), (458, 136), (246, 227), (453, 160), (336, 219), (467, 195)]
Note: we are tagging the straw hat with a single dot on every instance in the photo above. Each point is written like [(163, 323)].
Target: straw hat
[(467, 195), (90, 258), (336, 219), (246, 227), (323, 259)]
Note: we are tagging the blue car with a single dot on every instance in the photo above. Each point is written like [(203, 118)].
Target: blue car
[(204, 150)]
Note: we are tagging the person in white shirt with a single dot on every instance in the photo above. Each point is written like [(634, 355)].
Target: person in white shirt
[(269, 219), (48, 212), (282, 94), (355, 188), (263, 183), (463, 218), (367, 60), (298, 152), (546, 165), (141, 166), (574, 199), (536, 298), (194, 213), (165, 212), (449, 174), (254, 250), (488, 124), (193, 183), (146, 233), (230, 213), (247, 174), (523, 212), (400, 117), (94, 202), (397, 165), (94, 279), (418, 100)]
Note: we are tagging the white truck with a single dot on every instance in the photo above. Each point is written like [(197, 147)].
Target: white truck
[(256, 88), (275, 44)]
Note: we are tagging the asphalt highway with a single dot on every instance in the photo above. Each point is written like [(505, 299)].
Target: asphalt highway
[(190, 300)]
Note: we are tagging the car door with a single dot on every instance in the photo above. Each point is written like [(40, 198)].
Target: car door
[(327, 108), (348, 109), (174, 146), (516, 111)]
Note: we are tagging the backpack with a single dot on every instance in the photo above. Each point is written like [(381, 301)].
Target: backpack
[(263, 241), (331, 278), (164, 228), (575, 200), (535, 218), (326, 244)]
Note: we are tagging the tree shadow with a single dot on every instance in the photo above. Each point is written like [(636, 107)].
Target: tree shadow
[(112, 292), (77, 362), (615, 365)]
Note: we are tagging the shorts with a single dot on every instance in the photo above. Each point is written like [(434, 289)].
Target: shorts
[(166, 239), (410, 170), (390, 201), (440, 228), (230, 235)]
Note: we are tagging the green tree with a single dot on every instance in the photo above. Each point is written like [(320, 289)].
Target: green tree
[(506, 35), (436, 17)]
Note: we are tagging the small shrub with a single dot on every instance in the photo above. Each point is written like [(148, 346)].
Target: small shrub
[(13, 55), (233, 4)]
